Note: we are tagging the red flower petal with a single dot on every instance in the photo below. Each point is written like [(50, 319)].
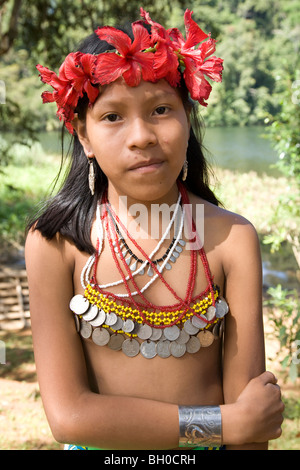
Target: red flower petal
[(133, 75), (69, 127), (120, 40), (208, 48), (88, 63), (177, 38), (213, 68), (91, 91), (69, 70), (49, 77), (194, 34), (48, 97), (198, 86), (158, 32), (110, 67), (165, 55), (142, 39)]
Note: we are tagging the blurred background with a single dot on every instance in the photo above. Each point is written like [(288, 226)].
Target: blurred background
[(251, 133)]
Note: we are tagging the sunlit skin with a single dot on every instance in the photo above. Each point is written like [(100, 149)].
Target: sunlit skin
[(139, 137)]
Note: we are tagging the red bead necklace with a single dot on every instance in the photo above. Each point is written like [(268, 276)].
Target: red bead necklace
[(183, 304)]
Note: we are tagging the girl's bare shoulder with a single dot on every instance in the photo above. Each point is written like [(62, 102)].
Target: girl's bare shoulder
[(41, 252), (225, 229)]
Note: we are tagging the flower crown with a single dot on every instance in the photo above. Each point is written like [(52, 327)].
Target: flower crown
[(151, 57)]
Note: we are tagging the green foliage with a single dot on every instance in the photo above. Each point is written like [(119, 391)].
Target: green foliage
[(255, 38), (284, 315), (285, 125), (284, 134)]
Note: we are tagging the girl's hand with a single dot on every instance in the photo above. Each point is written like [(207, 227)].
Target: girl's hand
[(258, 412)]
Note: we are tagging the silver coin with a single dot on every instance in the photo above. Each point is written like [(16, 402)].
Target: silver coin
[(101, 336), (79, 304), (211, 313), (216, 329), (206, 338), (193, 345), (111, 319), (128, 325), (85, 329), (198, 322), (116, 342), (145, 331), (183, 337), (223, 302), (136, 328), (177, 350), (163, 348), (77, 323), (222, 309), (156, 334), (182, 242), (190, 328), (172, 332), (118, 325), (91, 313), (100, 319), (131, 347), (148, 349), (162, 338)]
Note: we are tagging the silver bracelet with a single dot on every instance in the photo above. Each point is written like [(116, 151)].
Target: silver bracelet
[(200, 426)]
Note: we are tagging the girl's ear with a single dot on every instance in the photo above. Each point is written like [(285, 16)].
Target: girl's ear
[(80, 129)]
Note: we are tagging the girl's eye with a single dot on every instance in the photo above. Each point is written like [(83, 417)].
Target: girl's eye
[(111, 117), (161, 110)]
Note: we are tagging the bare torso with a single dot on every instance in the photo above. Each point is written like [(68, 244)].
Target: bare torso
[(191, 379)]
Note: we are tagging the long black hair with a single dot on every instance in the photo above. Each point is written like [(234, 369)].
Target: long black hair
[(72, 210)]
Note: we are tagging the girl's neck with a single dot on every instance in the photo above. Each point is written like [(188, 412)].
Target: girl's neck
[(149, 216)]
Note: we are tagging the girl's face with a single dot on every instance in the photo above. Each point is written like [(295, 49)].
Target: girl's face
[(139, 137)]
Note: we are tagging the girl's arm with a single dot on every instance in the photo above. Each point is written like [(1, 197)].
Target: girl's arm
[(244, 355), (79, 416)]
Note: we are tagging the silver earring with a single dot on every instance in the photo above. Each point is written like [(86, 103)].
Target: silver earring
[(184, 170), (91, 177)]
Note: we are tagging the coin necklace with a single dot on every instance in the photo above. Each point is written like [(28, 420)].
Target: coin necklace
[(144, 328), (85, 275)]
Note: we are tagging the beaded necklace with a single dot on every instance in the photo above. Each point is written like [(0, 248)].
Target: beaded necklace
[(138, 326)]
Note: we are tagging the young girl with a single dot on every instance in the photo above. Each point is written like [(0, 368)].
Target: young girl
[(130, 263)]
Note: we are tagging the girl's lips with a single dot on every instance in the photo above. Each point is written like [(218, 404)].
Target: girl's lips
[(147, 167)]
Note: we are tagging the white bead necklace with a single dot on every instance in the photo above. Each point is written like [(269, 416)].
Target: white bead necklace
[(85, 275)]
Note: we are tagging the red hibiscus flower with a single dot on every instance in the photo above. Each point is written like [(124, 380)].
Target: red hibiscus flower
[(193, 60), (166, 61), (130, 61), (75, 77)]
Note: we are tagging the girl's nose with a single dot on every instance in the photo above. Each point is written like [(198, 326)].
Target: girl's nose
[(141, 134)]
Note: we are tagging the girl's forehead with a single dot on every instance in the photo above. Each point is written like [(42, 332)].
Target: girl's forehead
[(145, 90)]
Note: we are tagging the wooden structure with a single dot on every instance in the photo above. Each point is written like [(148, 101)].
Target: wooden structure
[(14, 299)]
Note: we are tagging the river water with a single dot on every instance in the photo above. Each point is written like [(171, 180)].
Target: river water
[(241, 149)]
